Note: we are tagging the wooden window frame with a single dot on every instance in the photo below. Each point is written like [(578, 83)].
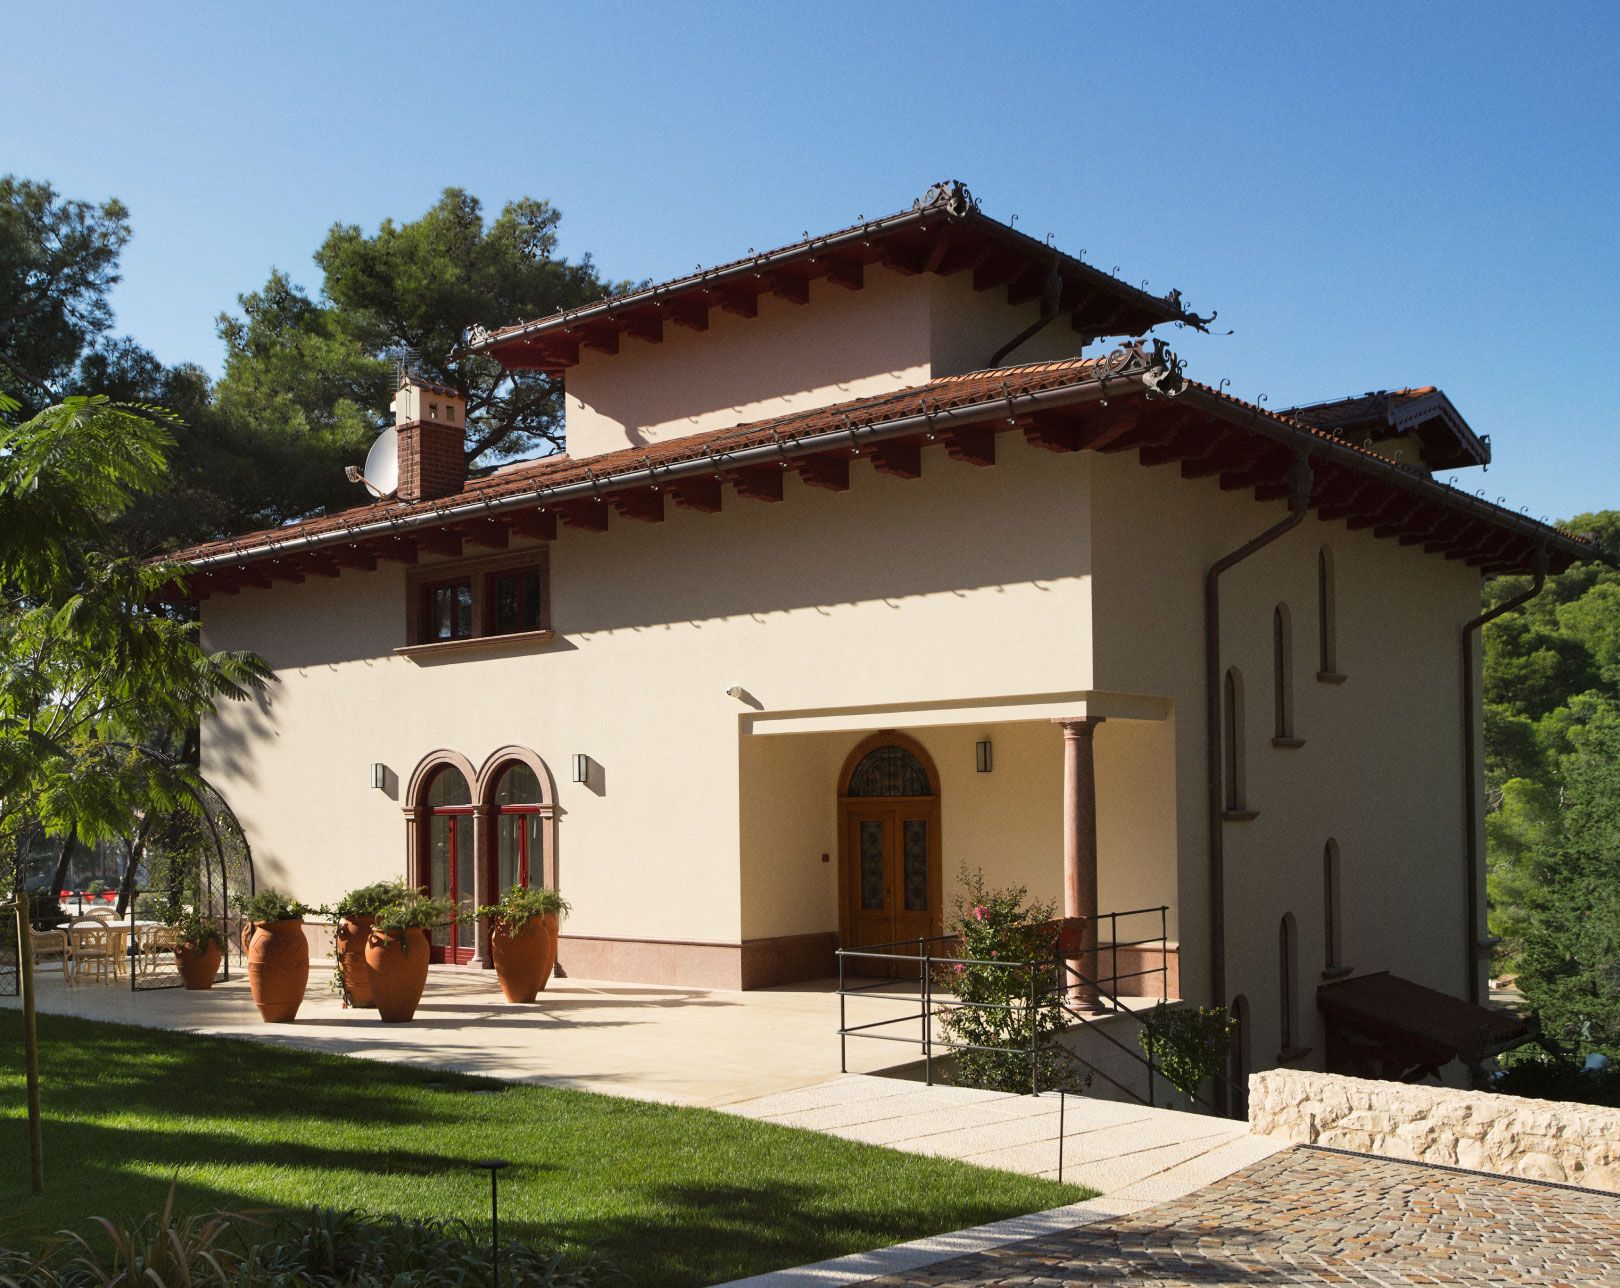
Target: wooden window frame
[(423, 616), (481, 573)]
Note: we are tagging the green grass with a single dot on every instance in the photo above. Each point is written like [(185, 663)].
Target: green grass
[(667, 1195)]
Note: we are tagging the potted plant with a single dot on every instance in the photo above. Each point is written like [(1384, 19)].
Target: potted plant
[(397, 952), (355, 912), (199, 943), (277, 953), (523, 934)]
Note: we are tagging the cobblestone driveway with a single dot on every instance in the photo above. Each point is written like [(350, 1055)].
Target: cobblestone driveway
[(1306, 1216)]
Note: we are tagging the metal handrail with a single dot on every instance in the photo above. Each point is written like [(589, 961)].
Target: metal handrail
[(1065, 979)]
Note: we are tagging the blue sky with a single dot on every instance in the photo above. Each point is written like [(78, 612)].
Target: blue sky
[(1371, 194)]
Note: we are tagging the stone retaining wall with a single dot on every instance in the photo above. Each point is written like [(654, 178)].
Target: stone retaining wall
[(1541, 1140)]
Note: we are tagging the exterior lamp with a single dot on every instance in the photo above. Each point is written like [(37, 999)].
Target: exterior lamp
[(379, 775), (582, 767), (981, 756)]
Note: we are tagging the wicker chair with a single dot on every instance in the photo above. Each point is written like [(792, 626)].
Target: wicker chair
[(90, 951), (50, 945)]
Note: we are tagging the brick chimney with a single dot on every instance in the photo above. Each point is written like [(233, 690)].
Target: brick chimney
[(432, 424)]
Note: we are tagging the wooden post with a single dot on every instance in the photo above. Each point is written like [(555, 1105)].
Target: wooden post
[(1080, 847), (25, 977)]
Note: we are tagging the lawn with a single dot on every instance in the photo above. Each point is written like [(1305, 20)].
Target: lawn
[(666, 1195)]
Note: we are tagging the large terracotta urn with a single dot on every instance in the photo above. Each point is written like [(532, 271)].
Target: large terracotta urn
[(398, 962), (524, 961), (278, 968), (197, 966), (352, 936)]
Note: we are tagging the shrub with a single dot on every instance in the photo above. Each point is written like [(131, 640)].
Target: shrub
[(193, 930), (992, 1025), (1554, 1078), (1187, 1044), (521, 904), (270, 905), (369, 900), (414, 911)]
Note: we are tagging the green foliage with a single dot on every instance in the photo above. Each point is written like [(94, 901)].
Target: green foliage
[(1188, 1044), (1552, 677), (322, 1248), (414, 911), (1569, 969), (1552, 1078), (1005, 1016), (369, 900), (58, 261), (265, 906), (521, 904), (193, 930)]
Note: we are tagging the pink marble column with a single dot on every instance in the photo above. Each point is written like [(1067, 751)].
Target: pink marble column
[(1080, 846)]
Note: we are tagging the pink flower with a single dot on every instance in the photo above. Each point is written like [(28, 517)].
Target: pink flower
[(980, 912)]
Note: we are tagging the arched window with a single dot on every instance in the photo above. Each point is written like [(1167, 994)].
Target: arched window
[(447, 803), (889, 771), (1327, 624), (1288, 986), (1232, 741), (1282, 673), (519, 835), (1331, 933)]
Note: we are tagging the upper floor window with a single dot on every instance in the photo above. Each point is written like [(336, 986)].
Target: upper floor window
[(1327, 624), (447, 611), (471, 599)]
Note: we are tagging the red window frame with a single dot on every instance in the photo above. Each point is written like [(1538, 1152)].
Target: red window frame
[(528, 609), (455, 951)]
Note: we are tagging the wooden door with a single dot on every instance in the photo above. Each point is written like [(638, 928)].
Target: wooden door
[(889, 856)]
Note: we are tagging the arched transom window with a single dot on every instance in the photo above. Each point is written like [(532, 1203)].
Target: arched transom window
[(889, 771)]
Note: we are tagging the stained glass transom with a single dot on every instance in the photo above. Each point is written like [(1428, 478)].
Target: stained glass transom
[(889, 771), (914, 843), (872, 864)]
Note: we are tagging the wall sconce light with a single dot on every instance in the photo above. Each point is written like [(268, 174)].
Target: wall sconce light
[(981, 756), (379, 775), (582, 767)]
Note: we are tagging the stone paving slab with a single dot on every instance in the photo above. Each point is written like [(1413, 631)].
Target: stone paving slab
[(1307, 1216)]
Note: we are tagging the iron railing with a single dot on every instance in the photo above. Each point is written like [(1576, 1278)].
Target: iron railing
[(1055, 981)]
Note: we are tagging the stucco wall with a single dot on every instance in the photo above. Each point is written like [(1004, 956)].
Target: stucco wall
[(1381, 768), (1542, 1140), (964, 584), (897, 331)]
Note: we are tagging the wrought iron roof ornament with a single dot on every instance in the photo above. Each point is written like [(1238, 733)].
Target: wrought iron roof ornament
[(949, 194)]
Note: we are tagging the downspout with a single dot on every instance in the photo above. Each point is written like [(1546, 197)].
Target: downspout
[(1471, 944), (1300, 478), (1051, 303)]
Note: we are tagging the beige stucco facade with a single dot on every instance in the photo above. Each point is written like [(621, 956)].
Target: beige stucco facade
[(970, 604)]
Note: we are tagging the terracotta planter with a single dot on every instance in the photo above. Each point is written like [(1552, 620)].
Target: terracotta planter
[(524, 961), (198, 966), (399, 971), (278, 969), (352, 934)]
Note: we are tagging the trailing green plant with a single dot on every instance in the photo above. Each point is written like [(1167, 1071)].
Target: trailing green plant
[(522, 904), (1007, 1009), (193, 930), (369, 900), (415, 911), (270, 905), (1188, 1044)]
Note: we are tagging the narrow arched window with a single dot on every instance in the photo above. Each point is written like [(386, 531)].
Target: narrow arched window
[(1327, 662), (1288, 985), (1282, 673), (1238, 1061), (1331, 931), (1232, 740)]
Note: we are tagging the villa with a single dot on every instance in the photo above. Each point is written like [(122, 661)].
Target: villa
[(895, 551)]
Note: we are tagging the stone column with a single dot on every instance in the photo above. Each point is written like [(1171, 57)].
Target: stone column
[(1080, 847)]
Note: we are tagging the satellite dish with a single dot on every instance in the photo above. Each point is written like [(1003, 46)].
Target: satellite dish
[(381, 472)]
